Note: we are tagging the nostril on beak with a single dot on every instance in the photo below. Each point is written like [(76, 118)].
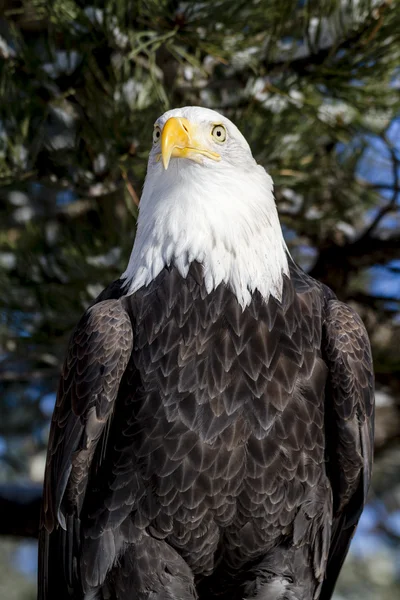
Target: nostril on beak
[(185, 128)]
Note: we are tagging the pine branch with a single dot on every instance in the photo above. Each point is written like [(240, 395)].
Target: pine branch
[(304, 64), (336, 263), (392, 204)]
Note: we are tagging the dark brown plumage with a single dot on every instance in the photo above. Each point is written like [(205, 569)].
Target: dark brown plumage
[(197, 448)]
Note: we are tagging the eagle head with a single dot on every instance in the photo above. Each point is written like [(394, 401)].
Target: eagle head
[(206, 200)]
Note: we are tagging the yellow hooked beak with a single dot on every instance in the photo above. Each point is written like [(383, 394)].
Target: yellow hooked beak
[(179, 140)]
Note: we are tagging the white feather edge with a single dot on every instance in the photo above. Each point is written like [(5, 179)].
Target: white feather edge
[(224, 218)]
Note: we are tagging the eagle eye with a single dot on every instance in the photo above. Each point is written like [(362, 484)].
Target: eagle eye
[(156, 134), (219, 133)]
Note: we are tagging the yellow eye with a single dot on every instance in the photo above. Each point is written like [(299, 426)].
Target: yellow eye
[(156, 134), (219, 133)]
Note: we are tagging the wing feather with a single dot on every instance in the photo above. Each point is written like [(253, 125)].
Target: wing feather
[(349, 427), (97, 357)]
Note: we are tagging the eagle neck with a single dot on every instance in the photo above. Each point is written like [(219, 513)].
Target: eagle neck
[(228, 224)]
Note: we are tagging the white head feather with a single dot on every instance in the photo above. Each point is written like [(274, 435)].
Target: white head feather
[(221, 214)]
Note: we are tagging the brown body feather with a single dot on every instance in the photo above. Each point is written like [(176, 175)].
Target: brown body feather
[(200, 448)]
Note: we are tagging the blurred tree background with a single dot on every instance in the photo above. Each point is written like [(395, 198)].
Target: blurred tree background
[(315, 88)]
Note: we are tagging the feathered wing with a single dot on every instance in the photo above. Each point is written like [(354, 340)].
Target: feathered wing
[(97, 357), (349, 428)]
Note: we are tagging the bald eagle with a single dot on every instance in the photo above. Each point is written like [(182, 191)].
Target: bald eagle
[(213, 430)]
